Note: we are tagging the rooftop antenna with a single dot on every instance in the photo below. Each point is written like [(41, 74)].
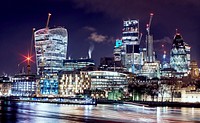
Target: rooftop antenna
[(177, 32)]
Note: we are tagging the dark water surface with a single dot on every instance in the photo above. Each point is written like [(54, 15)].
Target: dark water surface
[(24, 112)]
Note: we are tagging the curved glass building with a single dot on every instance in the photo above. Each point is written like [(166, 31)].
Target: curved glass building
[(51, 50), (178, 55)]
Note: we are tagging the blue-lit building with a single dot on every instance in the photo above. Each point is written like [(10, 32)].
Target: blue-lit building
[(51, 51), (24, 85)]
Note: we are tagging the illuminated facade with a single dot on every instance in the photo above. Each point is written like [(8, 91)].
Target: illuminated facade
[(5, 86), (151, 69), (51, 50), (48, 85), (187, 49), (24, 85), (99, 82), (71, 65), (71, 83), (194, 71), (179, 56), (107, 80), (127, 49)]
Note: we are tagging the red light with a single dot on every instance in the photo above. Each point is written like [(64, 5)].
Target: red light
[(27, 58), (151, 14)]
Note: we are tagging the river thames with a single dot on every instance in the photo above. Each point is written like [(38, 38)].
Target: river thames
[(25, 112)]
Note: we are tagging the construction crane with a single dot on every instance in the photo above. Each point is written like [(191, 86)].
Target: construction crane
[(140, 38), (149, 41), (149, 24), (28, 58), (47, 24)]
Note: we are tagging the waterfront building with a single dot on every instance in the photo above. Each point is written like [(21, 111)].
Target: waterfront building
[(73, 82), (5, 86), (190, 96), (48, 85), (72, 65), (108, 80), (24, 85), (179, 55), (51, 51), (99, 82)]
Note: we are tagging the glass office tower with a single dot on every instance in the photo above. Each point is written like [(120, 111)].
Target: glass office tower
[(51, 50), (178, 55)]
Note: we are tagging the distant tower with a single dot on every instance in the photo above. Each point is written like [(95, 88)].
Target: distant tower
[(178, 55), (118, 50), (130, 55)]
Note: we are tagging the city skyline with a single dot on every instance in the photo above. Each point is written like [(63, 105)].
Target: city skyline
[(93, 23)]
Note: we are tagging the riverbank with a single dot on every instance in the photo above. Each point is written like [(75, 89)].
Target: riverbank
[(75, 101), (111, 102), (169, 104)]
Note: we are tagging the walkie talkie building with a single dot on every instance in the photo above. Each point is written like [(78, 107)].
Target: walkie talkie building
[(51, 50)]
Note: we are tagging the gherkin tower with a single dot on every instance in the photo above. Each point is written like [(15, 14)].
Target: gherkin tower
[(178, 55)]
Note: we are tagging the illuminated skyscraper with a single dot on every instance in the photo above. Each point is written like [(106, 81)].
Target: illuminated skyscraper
[(127, 49), (178, 55), (51, 50)]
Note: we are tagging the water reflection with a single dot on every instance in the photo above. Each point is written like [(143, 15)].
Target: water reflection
[(22, 112)]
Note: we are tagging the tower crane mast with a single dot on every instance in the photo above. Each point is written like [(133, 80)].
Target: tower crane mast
[(149, 24), (149, 41), (47, 24)]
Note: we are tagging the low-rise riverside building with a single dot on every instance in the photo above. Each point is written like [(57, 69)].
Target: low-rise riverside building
[(71, 83), (24, 85), (99, 82), (5, 86)]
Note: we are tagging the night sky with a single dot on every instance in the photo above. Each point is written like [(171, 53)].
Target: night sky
[(94, 23)]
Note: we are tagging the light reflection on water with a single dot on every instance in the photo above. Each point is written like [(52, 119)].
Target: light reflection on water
[(23, 112)]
